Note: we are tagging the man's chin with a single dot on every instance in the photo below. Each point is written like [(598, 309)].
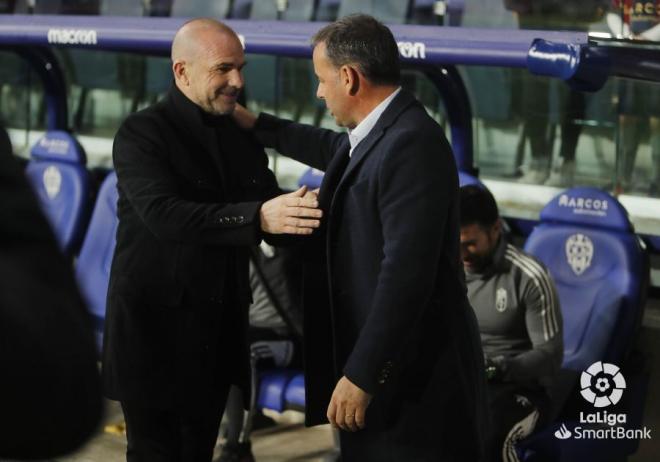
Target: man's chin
[(226, 109), (472, 267)]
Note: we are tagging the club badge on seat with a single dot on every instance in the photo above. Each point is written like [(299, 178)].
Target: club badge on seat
[(579, 252)]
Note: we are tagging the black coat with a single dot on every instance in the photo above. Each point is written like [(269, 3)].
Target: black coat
[(385, 296), (50, 392), (190, 189)]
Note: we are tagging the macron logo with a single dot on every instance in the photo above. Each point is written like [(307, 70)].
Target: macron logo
[(72, 36), (563, 433), (415, 50)]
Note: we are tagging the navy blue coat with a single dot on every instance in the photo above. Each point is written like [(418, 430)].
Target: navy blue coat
[(385, 297)]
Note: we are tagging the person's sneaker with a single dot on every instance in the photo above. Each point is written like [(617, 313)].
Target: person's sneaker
[(534, 176), (236, 452)]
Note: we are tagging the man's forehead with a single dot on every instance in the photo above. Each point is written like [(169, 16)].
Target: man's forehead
[(224, 49), (472, 229), (319, 50)]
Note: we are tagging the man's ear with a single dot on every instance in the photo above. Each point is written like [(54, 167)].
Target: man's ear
[(497, 228), (179, 70), (350, 78)]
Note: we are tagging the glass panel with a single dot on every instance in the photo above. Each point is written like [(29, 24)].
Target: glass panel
[(22, 105), (536, 130), (528, 14), (638, 168), (104, 88)]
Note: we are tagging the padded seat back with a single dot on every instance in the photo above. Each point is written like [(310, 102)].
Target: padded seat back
[(93, 265), (312, 178), (326, 10), (465, 179), (122, 7), (387, 11), (296, 10), (600, 269), (58, 175), (197, 8)]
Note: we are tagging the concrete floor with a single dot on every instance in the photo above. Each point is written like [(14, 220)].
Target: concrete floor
[(291, 441), (288, 441)]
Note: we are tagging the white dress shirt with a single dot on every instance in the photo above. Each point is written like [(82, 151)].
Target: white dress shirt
[(363, 128)]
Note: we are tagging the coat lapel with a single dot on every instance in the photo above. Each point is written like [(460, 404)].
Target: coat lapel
[(362, 150)]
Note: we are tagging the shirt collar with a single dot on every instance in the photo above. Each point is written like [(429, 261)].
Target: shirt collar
[(363, 128)]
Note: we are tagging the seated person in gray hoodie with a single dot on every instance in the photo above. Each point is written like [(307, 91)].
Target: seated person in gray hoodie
[(517, 308)]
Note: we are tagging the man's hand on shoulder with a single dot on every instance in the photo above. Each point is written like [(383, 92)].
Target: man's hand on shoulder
[(244, 118), (348, 406), (293, 213)]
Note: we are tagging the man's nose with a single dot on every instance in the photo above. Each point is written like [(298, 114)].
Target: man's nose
[(236, 79), (464, 251)]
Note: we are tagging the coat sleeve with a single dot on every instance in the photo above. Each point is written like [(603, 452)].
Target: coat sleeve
[(146, 179), (417, 185), (310, 145)]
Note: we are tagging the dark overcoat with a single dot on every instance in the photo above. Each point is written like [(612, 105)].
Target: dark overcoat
[(190, 190), (50, 392), (385, 297)]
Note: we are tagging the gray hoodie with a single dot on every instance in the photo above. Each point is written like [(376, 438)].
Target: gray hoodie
[(517, 308)]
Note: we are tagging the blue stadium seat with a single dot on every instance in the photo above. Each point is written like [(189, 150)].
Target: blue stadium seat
[(58, 176), (196, 8), (312, 178), (387, 11), (122, 7), (294, 396), (326, 10), (296, 10), (93, 265), (424, 12), (600, 268), (272, 387), (465, 179), (240, 9)]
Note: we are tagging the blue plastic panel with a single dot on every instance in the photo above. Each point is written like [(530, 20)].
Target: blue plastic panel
[(587, 207)]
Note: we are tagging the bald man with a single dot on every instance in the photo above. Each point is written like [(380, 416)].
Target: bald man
[(194, 193)]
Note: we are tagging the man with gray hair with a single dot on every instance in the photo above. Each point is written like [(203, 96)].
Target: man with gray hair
[(391, 346), (195, 193)]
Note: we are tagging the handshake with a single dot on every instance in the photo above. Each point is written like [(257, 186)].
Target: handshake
[(293, 213)]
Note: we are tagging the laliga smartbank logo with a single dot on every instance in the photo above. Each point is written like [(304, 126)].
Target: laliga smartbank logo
[(602, 385)]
